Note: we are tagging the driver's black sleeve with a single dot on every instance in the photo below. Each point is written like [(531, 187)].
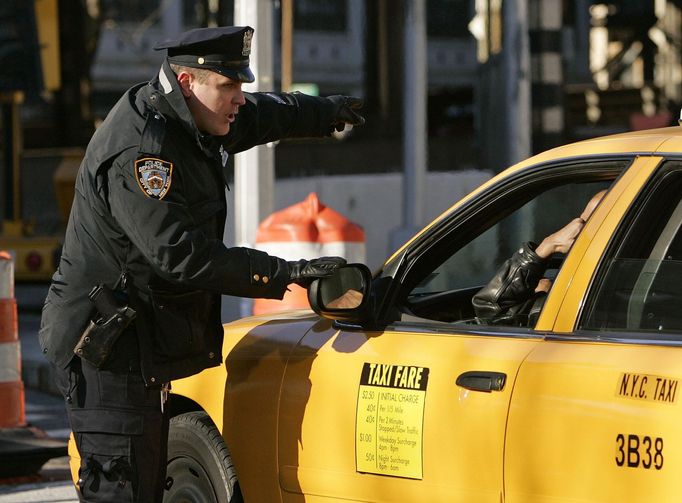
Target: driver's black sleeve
[(512, 287)]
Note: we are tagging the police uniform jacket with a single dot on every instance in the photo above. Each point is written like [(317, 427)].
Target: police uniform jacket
[(150, 207)]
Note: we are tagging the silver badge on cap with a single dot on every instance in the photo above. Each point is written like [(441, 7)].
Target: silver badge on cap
[(248, 35)]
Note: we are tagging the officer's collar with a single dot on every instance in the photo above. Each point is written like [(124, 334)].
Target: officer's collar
[(167, 89)]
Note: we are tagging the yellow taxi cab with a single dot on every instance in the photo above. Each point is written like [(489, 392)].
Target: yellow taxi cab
[(405, 394)]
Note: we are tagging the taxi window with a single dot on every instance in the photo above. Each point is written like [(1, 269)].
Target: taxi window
[(639, 287), (442, 286), (476, 262)]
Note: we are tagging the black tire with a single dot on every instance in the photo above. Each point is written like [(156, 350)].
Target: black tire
[(199, 466)]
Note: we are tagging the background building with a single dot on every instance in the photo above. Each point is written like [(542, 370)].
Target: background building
[(505, 78)]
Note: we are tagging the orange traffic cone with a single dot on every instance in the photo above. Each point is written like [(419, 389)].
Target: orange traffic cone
[(11, 386), (23, 449)]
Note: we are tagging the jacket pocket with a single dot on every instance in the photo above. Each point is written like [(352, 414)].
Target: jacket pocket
[(180, 323)]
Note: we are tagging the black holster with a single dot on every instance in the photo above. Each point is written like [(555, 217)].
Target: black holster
[(112, 317)]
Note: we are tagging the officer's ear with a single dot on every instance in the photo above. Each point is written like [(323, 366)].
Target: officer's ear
[(185, 80)]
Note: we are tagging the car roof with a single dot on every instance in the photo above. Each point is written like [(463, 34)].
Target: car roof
[(644, 142), (638, 142)]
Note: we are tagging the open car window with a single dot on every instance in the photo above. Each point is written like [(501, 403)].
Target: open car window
[(638, 287), (467, 254)]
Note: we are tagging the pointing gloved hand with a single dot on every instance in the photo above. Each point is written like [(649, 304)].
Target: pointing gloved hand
[(345, 112), (303, 272)]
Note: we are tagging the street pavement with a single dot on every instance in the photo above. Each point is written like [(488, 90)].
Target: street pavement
[(50, 492)]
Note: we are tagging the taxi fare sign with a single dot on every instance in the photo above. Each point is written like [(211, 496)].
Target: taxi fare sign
[(389, 420)]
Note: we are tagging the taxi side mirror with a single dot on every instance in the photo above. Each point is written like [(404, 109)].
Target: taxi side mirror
[(344, 295)]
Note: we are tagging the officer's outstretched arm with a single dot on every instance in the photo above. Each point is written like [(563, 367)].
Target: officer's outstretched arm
[(269, 117)]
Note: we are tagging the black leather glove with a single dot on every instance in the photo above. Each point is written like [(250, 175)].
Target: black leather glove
[(344, 112), (303, 272)]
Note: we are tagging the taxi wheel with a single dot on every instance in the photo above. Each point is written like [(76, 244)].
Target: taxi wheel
[(199, 466)]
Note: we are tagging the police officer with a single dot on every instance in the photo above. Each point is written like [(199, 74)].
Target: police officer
[(135, 301)]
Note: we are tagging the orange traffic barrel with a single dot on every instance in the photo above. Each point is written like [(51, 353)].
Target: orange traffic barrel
[(306, 230), (12, 412)]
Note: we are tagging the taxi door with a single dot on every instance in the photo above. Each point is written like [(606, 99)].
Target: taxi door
[(595, 412), (418, 411), (408, 414)]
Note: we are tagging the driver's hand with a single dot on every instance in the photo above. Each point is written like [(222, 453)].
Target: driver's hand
[(562, 240), (543, 285), (350, 299)]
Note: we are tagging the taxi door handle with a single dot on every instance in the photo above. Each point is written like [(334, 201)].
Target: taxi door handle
[(480, 380)]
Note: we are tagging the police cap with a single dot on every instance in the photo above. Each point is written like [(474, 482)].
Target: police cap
[(224, 49)]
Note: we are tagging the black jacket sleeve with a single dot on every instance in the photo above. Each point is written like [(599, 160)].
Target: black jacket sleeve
[(268, 117), (172, 242), (511, 292)]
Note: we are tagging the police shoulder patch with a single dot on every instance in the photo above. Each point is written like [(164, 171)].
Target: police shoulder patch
[(154, 176)]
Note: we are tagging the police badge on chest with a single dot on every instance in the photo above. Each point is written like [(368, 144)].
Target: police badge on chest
[(154, 176)]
